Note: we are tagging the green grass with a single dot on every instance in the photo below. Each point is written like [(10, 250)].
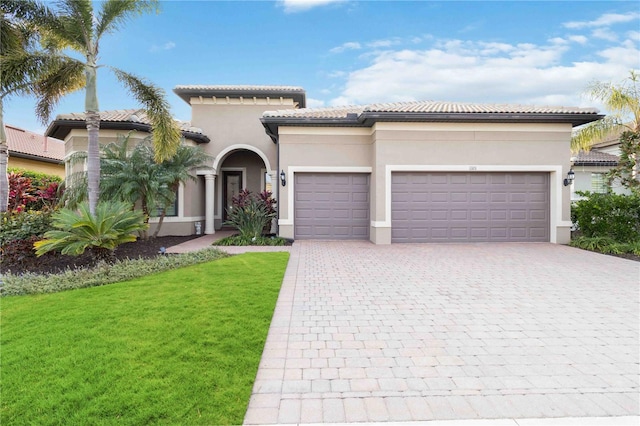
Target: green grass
[(179, 347)]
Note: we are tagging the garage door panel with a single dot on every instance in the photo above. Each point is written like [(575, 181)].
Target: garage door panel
[(474, 206), (331, 206)]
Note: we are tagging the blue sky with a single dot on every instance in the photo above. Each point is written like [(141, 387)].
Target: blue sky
[(358, 52)]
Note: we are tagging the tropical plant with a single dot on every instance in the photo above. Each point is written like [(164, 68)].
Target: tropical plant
[(178, 170), (626, 172), (21, 226), (32, 191), (130, 174), (251, 214), (112, 224), (623, 104), (74, 25), (22, 65)]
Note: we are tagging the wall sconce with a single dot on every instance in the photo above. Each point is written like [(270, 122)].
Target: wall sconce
[(283, 178), (570, 177)]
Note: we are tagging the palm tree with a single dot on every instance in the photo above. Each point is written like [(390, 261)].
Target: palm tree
[(22, 65), (75, 25), (179, 169), (622, 101)]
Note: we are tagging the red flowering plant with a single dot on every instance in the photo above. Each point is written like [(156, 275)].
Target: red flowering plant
[(251, 214)]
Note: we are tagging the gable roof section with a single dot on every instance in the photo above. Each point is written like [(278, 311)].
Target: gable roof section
[(595, 158), (426, 111), (25, 144), (121, 119), (186, 92)]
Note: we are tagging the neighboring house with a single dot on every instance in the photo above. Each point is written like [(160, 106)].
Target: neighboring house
[(34, 152), (591, 168), (389, 173)]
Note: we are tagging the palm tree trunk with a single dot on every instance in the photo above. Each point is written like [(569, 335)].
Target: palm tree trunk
[(93, 130), (4, 160), (160, 221)]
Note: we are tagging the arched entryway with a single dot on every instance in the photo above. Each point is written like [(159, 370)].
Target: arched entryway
[(234, 169)]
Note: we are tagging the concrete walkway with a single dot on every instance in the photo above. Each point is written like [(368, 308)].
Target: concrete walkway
[(415, 333)]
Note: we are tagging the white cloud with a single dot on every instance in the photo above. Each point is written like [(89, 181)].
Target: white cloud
[(315, 103), (350, 45), (468, 71), (167, 46), (294, 6), (578, 39), (605, 20), (604, 34), (634, 35), (384, 43)]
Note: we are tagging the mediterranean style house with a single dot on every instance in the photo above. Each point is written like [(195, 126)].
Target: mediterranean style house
[(389, 173)]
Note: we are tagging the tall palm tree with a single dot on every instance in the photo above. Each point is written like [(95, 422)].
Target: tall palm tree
[(623, 103), (75, 25), (22, 64)]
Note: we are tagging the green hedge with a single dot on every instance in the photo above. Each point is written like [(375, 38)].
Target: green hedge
[(608, 215)]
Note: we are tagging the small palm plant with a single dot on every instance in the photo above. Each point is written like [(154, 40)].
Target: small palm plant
[(113, 223)]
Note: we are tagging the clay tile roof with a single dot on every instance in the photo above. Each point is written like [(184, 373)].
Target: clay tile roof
[(428, 107), (124, 115), (595, 158), (25, 143)]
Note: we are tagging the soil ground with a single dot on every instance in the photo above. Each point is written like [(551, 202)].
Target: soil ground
[(52, 263)]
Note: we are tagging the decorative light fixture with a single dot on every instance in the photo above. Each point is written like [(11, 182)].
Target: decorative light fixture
[(570, 177), (283, 178)]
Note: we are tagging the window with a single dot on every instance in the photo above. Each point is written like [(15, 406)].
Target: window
[(172, 209), (599, 183)]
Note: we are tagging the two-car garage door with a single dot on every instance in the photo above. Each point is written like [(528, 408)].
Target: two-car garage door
[(469, 207), (426, 206)]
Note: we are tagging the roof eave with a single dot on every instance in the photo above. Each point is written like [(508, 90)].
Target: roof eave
[(187, 93), (34, 157), (59, 129), (575, 119)]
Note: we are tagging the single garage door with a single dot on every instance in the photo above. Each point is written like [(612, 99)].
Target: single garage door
[(331, 206), (469, 207)]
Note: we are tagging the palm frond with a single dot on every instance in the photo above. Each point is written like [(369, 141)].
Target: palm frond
[(595, 132), (60, 79), (116, 12), (166, 133)]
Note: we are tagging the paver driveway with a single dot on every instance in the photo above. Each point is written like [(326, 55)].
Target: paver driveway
[(366, 333)]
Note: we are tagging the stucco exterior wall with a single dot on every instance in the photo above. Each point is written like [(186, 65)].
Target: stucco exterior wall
[(233, 125), (36, 166)]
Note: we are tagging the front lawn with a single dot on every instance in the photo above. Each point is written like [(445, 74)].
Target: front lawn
[(178, 347)]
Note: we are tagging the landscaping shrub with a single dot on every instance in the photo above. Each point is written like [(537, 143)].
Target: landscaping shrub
[(23, 225), (251, 214), (238, 240), (606, 245), (114, 223), (102, 274), (608, 215), (32, 191)]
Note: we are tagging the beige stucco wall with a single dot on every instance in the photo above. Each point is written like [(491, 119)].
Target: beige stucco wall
[(388, 147), (233, 125), (36, 166)]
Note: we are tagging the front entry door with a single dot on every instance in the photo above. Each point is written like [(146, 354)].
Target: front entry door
[(231, 187)]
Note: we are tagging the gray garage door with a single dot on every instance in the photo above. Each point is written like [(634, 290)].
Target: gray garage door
[(469, 207), (331, 206)]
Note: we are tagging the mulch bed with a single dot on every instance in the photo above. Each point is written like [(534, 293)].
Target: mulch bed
[(53, 263)]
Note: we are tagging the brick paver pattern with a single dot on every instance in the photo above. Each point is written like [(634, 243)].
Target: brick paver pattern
[(366, 333)]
